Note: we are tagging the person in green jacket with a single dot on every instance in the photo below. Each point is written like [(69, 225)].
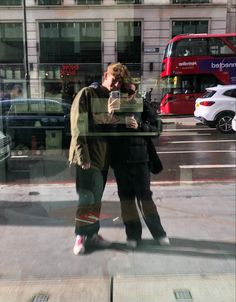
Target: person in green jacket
[(91, 114)]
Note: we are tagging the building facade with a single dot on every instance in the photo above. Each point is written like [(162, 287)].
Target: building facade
[(52, 48)]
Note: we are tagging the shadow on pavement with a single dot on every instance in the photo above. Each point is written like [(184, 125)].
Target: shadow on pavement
[(53, 214), (179, 246)]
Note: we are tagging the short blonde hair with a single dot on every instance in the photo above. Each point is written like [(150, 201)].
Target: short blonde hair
[(119, 71)]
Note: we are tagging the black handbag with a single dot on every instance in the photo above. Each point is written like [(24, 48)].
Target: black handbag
[(155, 163)]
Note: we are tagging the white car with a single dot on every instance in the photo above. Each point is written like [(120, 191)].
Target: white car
[(234, 123), (216, 108)]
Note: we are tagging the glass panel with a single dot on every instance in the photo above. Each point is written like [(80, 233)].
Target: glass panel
[(129, 1), (189, 1), (49, 2), (128, 40), (231, 93), (188, 83), (11, 43), (206, 80), (232, 40), (10, 2), (70, 42), (190, 47), (218, 47), (189, 27), (81, 2)]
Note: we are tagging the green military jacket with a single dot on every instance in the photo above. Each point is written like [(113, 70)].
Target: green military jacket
[(88, 114)]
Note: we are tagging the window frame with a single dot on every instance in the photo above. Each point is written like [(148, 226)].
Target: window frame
[(49, 4), (139, 64), (188, 20), (11, 4), (186, 2), (87, 2), (21, 60), (69, 22)]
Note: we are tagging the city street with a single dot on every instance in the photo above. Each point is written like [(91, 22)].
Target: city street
[(197, 207), (194, 152), (189, 151), (75, 76)]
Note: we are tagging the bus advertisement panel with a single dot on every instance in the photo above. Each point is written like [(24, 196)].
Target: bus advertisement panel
[(192, 63)]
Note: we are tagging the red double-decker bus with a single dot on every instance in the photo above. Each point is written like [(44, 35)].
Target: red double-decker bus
[(190, 64)]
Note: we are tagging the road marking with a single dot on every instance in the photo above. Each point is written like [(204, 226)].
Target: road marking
[(185, 134), (186, 171), (197, 151), (208, 141), (201, 129), (206, 166)]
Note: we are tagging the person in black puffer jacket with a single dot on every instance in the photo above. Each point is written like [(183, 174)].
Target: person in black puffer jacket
[(130, 162)]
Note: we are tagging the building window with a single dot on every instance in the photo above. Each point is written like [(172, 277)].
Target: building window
[(189, 27), (129, 1), (88, 2), (70, 42), (10, 2), (189, 1), (11, 43), (129, 42), (49, 2)]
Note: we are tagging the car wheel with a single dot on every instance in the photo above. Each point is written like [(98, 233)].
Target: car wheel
[(224, 122)]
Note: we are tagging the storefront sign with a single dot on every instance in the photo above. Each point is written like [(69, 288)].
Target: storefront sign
[(69, 70)]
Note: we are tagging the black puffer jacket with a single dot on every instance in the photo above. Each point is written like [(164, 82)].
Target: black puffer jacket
[(130, 148)]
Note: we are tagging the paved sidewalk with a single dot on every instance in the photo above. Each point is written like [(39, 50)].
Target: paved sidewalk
[(37, 240)]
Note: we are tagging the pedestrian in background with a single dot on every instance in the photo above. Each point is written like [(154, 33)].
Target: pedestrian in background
[(16, 92), (130, 162), (89, 152)]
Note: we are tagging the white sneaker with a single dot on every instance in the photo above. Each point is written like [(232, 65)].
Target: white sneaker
[(79, 247), (163, 241), (98, 241), (131, 243)]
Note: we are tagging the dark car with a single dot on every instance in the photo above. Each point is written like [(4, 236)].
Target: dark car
[(36, 123)]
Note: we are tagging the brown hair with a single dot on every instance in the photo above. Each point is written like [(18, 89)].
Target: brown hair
[(119, 71)]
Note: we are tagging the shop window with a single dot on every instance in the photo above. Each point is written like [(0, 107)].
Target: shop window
[(11, 43), (129, 1), (189, 1), (10, 2), (128, 40), (50, 2), (88, 2), (189, 27), (70, 42)]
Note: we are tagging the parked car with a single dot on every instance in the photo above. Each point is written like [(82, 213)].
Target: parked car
[(28, 121), (4, 146), (216, 108), (234, 123)]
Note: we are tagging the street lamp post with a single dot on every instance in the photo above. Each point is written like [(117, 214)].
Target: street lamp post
[(26, 63)]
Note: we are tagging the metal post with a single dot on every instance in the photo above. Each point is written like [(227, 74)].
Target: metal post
[(26, 63)]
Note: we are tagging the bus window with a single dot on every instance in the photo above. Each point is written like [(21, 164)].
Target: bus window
[(232, 40), (168, 50), (206, 80), (218, 47), (190, 47)]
